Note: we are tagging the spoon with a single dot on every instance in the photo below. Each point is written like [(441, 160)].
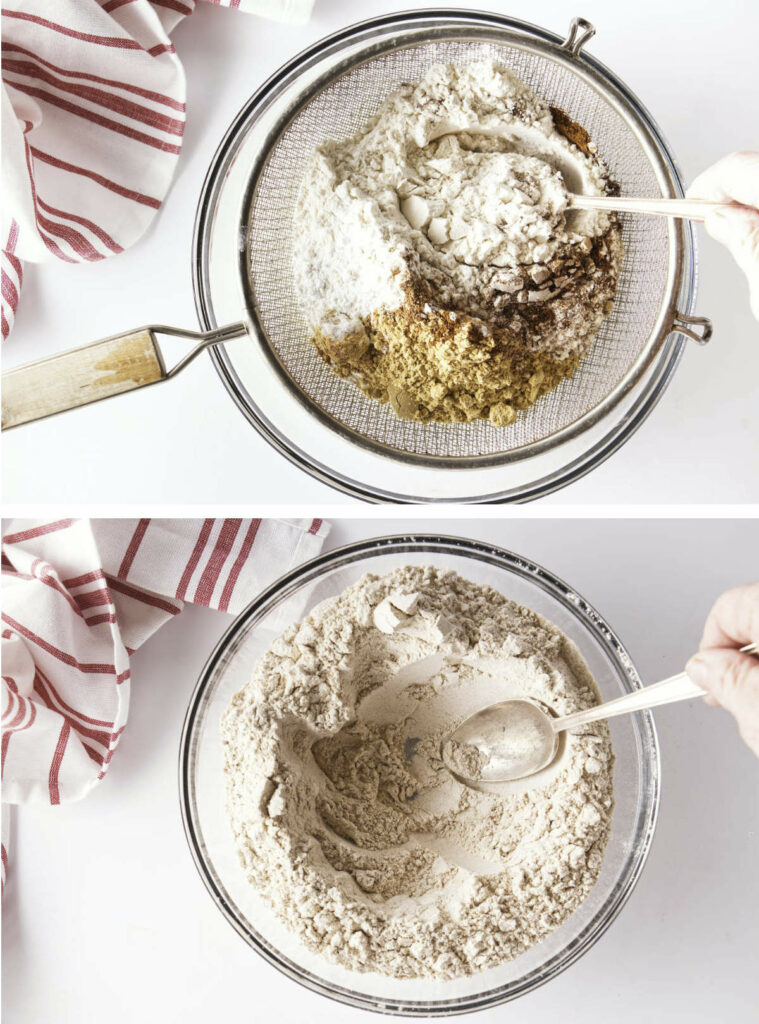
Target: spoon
[(692, 209), (517, 738)]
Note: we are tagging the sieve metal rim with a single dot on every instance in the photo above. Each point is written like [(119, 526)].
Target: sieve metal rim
[(678, 293)]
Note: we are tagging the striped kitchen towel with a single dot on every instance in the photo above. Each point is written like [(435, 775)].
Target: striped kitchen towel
[(79, 596), (93, 111)]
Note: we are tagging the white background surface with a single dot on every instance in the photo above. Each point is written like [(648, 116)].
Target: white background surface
[(106, 918), (692, 63)]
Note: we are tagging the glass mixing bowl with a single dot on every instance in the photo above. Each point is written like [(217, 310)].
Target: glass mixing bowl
[(202, 793)]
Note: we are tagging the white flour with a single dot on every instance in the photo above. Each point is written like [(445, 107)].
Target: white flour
[(456, 182), (483, 208), (345, 818)]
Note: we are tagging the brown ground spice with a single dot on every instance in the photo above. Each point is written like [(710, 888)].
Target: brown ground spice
[(445, 366), (449, 366)]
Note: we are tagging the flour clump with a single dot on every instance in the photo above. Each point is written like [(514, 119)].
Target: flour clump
[(347, 821), (437, 262)]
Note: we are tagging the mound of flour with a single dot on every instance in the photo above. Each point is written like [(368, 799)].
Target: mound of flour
[(348, 823), (435, 259), (458, 178), (484, 207)]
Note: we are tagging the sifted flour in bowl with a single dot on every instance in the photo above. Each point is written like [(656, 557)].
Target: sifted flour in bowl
[(346, 819), (435, 257)]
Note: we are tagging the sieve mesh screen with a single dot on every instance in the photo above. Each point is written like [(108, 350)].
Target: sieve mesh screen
[(343, 108)]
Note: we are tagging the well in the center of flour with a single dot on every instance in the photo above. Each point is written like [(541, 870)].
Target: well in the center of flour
[(346, 819)]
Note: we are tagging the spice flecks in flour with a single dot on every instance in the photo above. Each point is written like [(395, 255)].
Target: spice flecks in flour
[(435, 259), (347, 821)]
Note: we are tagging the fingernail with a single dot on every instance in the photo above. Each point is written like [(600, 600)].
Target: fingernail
[(697, 671)]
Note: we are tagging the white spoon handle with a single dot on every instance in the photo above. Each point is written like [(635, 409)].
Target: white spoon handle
[(692, 209), (679, 687)]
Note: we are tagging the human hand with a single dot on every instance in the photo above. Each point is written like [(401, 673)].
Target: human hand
[(735, 178), (730, 677)]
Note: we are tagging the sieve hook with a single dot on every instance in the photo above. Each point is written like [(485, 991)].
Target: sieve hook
[(580, 31), (685, 324)]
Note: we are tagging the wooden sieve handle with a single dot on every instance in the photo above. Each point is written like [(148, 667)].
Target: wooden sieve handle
[(84, 375), (106, 368)]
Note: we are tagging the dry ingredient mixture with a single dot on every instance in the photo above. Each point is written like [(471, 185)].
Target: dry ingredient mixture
[(347, 821), (435, 258), (466, 760)]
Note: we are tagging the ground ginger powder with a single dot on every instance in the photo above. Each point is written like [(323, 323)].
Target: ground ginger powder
[(447, 366)]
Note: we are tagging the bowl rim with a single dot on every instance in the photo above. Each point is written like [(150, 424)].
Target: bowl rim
[(501, 558), (653, 374)]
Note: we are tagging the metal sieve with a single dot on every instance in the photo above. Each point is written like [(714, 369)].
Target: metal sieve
[(343, 107), (338, 85), (256, 330)]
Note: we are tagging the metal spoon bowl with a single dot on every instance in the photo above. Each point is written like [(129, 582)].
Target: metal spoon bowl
[(502, 742)]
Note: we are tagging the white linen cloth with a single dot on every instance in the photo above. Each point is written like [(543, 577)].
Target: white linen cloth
[(93, 111), (79, 596)]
